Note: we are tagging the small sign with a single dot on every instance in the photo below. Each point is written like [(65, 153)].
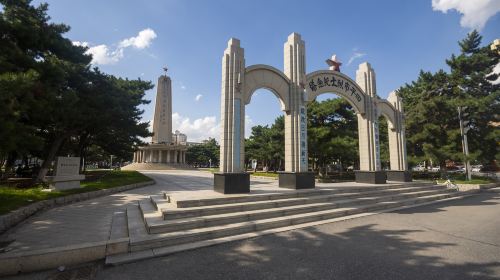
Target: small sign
[(67, 166)]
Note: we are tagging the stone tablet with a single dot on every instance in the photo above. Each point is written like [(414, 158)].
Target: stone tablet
[(67, 174), (67, 166)]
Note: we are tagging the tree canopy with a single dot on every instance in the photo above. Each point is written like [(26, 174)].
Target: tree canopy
[(51, 98), (431, 102)]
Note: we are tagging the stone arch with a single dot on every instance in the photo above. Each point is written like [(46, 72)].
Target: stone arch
[(384, 108), (329, 81), (265, 76)]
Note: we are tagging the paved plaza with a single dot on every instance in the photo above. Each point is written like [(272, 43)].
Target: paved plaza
[(90, 221), (451, 240)]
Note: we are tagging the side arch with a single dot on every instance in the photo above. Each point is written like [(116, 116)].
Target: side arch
[(385, 108), (268, 77)]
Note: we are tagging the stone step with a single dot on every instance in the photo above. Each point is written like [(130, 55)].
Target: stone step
[(157, 225), (176, 213), (140, 242), (241, 198), (492, 190), (167, 250)]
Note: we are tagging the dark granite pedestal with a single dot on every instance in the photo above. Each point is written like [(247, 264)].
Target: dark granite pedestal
[(232, 183), (399, 175), (370, 177), (296, 180)]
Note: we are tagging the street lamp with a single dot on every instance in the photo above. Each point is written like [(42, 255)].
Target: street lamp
[(464, 128)]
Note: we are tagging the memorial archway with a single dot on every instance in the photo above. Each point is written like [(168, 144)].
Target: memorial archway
[(294, 89)]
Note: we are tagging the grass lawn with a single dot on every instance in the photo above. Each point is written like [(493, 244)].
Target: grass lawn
[(12, 198), (265, 174)]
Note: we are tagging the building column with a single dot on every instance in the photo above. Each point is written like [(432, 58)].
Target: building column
[(176, 157), (168, 156), (141, 156), (151, 154), (184, 157), (161, 156)]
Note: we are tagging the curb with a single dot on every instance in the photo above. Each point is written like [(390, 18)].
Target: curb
[(15, 217)]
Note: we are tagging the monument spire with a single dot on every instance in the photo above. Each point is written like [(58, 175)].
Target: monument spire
[(162, 124)]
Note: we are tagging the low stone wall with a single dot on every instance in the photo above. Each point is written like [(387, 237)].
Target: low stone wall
[(13, 218), (478, 187)]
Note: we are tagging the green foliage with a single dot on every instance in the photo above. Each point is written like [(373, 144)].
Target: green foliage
[(332, 132), (430, 103), (50, 99), (267, 145), (200, 155)]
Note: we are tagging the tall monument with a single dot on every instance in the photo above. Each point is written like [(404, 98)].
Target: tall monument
[(162, 123), (166, 150)]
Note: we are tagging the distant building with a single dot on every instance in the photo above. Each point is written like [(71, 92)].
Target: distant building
[(179, 138)]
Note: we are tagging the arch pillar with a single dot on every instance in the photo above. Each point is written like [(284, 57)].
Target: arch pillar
[(397, 143), (296, 175), (232, 177), (368, 130)]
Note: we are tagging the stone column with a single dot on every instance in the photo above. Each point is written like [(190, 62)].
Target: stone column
[(296, 158), (232, 109), (232, 177), (397, 143), (369, 147), (141, 156), (161, 156), (168, 156), (151, 155)]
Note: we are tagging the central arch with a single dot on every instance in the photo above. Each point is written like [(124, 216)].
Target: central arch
[(327, 81)]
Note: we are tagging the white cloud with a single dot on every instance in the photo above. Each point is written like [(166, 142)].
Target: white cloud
[(102, 54), (355, 56), (475, 13), (198, 97), (141, 41), (496, 70), (198, 129)]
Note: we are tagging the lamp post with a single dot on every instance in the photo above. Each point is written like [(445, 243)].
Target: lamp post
[(464, 128)]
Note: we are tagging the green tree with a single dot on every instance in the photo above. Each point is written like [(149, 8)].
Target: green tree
[(202, 154), (50, 96), (267, 145), (431, 103), (332, 133)]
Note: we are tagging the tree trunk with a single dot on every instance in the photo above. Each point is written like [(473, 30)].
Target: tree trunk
[(54, 148)]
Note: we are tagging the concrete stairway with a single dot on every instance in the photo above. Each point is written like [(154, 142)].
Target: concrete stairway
[(163, 225)]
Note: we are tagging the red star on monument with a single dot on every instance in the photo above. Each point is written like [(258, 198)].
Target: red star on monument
[(334, 63)]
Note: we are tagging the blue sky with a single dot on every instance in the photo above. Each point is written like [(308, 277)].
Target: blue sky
[(397, 37)]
